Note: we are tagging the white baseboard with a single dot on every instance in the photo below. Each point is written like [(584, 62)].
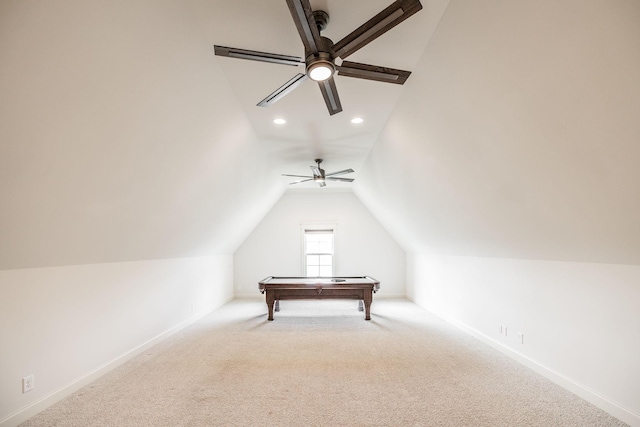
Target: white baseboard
[(591, 396), (33, 409)]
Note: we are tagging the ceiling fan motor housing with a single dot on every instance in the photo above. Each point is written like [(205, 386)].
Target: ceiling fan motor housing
[(318, 174), (320, 177)]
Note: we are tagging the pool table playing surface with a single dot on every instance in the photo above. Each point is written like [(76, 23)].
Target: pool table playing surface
[(360, 288)]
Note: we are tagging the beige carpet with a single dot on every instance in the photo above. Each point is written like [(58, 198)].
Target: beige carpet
[(319, 363)]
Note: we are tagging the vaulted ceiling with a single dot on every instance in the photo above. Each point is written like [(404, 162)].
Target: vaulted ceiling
[(123, 137), (519, 137), (310, 131)]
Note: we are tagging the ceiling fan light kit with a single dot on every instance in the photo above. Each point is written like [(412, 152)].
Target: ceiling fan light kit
[(320, 69), (321, 53)]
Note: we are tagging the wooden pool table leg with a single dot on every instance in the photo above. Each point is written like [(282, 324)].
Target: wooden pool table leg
[(276, 307), (360, 305), (270, 298), (367, 305)]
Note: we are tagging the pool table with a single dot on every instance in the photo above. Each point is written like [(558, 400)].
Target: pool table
[(360, 288)]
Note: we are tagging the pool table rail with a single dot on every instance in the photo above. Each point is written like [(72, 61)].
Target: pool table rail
[(360, 288)]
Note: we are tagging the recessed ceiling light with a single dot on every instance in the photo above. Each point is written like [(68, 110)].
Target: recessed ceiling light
[(357, 120), (279, 121)]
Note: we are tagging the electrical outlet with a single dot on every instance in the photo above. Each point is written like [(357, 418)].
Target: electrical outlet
[(503, 330), (28, 384)]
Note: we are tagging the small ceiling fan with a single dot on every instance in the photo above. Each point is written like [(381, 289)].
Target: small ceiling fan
[(320, 177), (321, 53)]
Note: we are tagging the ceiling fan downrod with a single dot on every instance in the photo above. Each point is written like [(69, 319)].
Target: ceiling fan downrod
[(322, 19)]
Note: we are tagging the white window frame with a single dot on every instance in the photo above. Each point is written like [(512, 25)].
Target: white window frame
[(304, 227)]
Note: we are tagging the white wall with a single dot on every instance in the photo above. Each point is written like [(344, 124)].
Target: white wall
[(127, 179), (362, 246), (518, 136), (68, 325), (517, 141), (119, 138), (580, 321)]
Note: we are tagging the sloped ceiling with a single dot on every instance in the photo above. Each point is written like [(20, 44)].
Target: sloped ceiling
[(310, 131), (123, 137), (520, 136), (118, 141)]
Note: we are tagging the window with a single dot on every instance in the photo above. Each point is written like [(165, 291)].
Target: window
[(318, 252)]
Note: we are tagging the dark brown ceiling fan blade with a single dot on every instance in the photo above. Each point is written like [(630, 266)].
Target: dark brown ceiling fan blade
[(283, 90), (342, 172), (302, 180), (302, 15), (397, 12), (334, 178), (330, 94), (255, 55), (373, 72), (298, 176)]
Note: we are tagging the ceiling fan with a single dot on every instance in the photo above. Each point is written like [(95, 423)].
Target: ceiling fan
[(321, 53), (320, 177)]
